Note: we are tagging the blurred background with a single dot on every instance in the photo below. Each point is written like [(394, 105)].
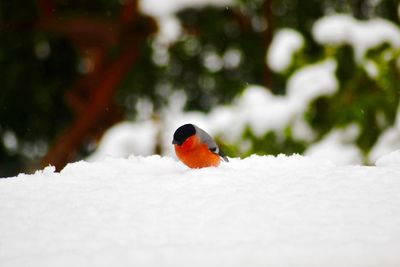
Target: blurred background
[(86, 79)]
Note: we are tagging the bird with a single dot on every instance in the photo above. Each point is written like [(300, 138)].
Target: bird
[(196, 148)]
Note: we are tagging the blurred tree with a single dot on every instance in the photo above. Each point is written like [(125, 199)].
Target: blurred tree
[(72, 68), (368, 101), (59, 58)]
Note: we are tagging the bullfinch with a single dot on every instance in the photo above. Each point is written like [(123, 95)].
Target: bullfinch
[(196, 148)]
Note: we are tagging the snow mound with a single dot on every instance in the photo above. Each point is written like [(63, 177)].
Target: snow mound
[(361, 35), (285, 44), (387, 142), (125, 137), (338, 146), (154, 211)]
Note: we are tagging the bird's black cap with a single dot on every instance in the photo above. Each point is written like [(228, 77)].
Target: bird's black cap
[(183, 133)]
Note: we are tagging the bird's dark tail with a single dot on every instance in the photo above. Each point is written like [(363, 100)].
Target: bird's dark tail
[(222, 155)]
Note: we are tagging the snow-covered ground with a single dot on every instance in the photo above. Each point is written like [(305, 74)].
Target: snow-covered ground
[(154, 211)]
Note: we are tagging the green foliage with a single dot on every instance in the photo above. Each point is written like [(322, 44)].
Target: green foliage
[(367, 99), (102, 8), (273, 143), (12, 11), (136, 85), (370, 102), (210, 34)]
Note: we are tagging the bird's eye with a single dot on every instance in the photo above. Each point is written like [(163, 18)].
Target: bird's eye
[(214, 149)]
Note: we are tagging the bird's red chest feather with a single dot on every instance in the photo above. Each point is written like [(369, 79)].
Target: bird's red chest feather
[(195, 154)]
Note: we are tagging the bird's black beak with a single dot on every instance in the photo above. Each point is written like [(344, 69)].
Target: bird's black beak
[(174, 142)]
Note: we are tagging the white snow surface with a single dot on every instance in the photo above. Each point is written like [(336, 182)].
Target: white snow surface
[(284, 45), (154, 211)]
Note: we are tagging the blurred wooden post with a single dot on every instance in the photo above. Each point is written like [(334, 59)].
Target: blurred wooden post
[(67, 143), (93, 96)]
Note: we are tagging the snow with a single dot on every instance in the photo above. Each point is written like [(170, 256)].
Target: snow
[(313, 81), (159, 8), (284, 45), (10, 141), (232, 58), (393, 158), (154, 211), (371, 68), (212, 61), (388, 141), (361, 35), (170, 29), (125, 137)]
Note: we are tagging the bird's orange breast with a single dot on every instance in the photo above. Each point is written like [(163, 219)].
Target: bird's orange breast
[(195, 154)]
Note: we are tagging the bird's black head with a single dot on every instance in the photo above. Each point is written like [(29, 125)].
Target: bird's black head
[(183, 133)]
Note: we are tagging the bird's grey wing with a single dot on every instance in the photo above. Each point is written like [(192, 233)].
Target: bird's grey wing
[(207, 139)]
